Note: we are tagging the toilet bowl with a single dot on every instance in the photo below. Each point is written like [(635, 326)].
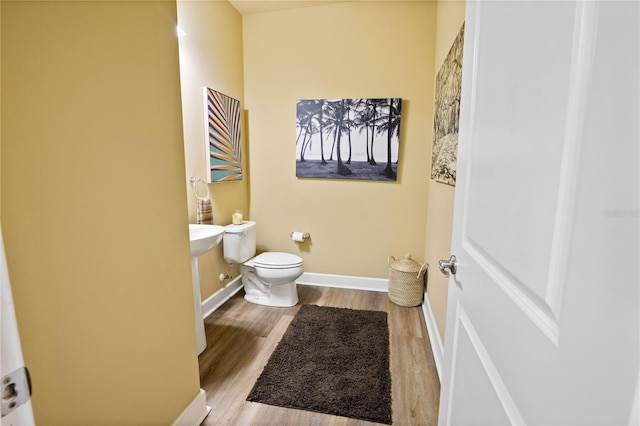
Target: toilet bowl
[(269, 278)]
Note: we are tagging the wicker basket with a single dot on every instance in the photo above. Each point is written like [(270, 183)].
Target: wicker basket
[(406, 281)]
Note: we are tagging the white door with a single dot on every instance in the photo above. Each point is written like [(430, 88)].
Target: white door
[(16, 392), (543, 312)]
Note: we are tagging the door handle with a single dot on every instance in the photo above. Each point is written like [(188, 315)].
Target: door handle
[(449, 266)]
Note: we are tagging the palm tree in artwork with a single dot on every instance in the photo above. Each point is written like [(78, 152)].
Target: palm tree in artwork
[(392, 127), (363, 116), (306, 110), (336, 123), (320, 126), (301, 125), (351, 105), (376, 105), (342, 127), (346, 126), (310, 121)]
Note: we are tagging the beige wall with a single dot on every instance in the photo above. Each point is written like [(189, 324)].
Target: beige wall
[(347, 50), (211, 55), (450, 16), (94, 210)]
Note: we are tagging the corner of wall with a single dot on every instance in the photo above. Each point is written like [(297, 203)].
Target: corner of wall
[(211, 55), (449, 18)]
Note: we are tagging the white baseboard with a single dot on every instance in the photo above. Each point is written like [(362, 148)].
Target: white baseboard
[(195, 412), (216, 300), (434, 335), (344, 281)]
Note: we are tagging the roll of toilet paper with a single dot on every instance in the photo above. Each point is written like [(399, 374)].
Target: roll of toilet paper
[(298, 237)]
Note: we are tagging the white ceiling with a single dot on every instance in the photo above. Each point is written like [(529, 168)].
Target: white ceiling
[(246, 7)]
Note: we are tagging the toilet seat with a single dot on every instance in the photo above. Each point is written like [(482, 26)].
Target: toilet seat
[(277, 260)]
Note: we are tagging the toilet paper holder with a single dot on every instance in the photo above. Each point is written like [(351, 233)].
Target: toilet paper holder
[(300, 236)]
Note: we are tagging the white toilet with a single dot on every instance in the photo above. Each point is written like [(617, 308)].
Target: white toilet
[(269, 278)]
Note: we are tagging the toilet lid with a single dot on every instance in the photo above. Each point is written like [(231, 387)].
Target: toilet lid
[(275, 259)]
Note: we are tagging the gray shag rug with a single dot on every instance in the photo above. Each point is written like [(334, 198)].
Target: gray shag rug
[(331, 361)]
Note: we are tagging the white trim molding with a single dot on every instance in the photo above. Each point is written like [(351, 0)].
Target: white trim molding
[(435, 339), (195, 412), (344, 281), (213, 302)]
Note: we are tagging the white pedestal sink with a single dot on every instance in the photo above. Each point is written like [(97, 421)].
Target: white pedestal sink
[(202, 238)]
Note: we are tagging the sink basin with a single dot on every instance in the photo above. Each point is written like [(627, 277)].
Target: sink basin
[(204, 237)]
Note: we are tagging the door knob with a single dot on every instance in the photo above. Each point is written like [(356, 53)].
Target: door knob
[(449, 266)]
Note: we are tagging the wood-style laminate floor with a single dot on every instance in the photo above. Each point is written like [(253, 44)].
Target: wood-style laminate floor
[(241, 336)]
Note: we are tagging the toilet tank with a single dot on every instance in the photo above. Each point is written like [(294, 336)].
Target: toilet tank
[(239, 242)]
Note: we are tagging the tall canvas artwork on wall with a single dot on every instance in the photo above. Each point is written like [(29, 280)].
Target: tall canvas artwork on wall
[(447, 114), (222, 118), (348, 138)]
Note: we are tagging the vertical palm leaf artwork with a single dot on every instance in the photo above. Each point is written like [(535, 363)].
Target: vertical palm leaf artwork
[(222, 118), (348, 138), (446, 119)]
